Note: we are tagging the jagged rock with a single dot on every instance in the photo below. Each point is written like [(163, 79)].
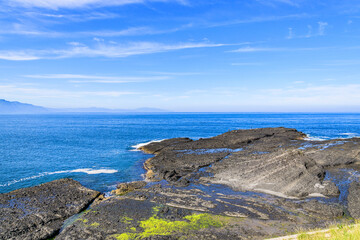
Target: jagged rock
[(354, 200), (39, 212)]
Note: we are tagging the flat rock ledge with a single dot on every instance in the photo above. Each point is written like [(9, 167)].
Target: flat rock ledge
[(39, 212)]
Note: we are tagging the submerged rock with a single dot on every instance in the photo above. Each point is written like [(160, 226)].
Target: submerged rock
[(39, 212)]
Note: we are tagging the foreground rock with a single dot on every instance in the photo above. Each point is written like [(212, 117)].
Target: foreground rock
[(39, 212), (167, 212)]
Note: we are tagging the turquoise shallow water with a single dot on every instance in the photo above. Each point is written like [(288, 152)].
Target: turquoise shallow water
[(96, 149)]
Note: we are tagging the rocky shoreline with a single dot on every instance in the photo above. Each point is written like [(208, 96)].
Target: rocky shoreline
[(243, 184)]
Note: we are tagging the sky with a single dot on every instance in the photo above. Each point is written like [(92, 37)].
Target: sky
[(182, 55)]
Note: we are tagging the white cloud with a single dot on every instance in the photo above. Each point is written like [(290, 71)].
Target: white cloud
[(290, 34), (56, 4), (18, 56), (97, 79), (247, 64), (259, 19), (256, 49), (322, 95), (16, 91), (271, 49), (322, 27), (273, 3), (102, 50)]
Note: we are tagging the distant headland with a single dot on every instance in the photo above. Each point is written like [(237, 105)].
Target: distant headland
[(14, 107)]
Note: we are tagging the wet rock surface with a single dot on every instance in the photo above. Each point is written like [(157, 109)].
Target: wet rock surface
[(39, 212), (354, 200)]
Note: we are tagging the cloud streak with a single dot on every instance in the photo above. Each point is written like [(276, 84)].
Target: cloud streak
[(102, 50), (76, 78), (9, 90), (70, 4)]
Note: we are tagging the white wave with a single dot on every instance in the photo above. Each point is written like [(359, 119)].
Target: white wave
[(80, 170), (319, 138), (94, 171), (137, 146), (350, 135)]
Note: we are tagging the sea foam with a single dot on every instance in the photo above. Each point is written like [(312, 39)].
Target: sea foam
[(319, 138), (80, 170), (137, 146)]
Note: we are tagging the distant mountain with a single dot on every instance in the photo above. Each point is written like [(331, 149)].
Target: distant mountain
[(7, 107), (106, 110)]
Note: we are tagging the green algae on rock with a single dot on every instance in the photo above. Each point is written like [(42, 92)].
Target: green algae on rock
[(155, 226)]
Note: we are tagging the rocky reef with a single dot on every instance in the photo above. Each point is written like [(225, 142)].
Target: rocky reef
[(243, 184), (39, 212)]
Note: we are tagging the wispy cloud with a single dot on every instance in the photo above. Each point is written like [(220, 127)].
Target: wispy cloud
[(274, 3), (76, 78), (342, 63), (290, 34), (260, 19), (322, 26), (247, 64), (18, 55), (9, 90), (321, 30), (257, 49), (17, 29), (103, 50), (56, 4), (325, 95), (272, 49)]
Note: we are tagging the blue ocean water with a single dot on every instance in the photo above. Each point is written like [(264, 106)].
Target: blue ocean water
[(97, 149)]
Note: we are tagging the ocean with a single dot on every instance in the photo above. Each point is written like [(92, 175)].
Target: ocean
[(99, 150)]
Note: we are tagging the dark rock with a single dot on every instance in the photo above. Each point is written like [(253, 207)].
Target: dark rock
[(335, 152), (354, 200), (154, 147), (325, 209), (39, 212), (278, 161)]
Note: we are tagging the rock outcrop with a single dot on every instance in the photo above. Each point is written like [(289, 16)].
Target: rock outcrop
[(39, 212), (278, 161)]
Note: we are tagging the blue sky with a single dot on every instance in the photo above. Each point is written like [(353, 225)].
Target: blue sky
[(182, 55)]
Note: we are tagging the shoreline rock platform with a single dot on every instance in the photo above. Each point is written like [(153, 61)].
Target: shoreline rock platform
[(39, 212), (243, 184)]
